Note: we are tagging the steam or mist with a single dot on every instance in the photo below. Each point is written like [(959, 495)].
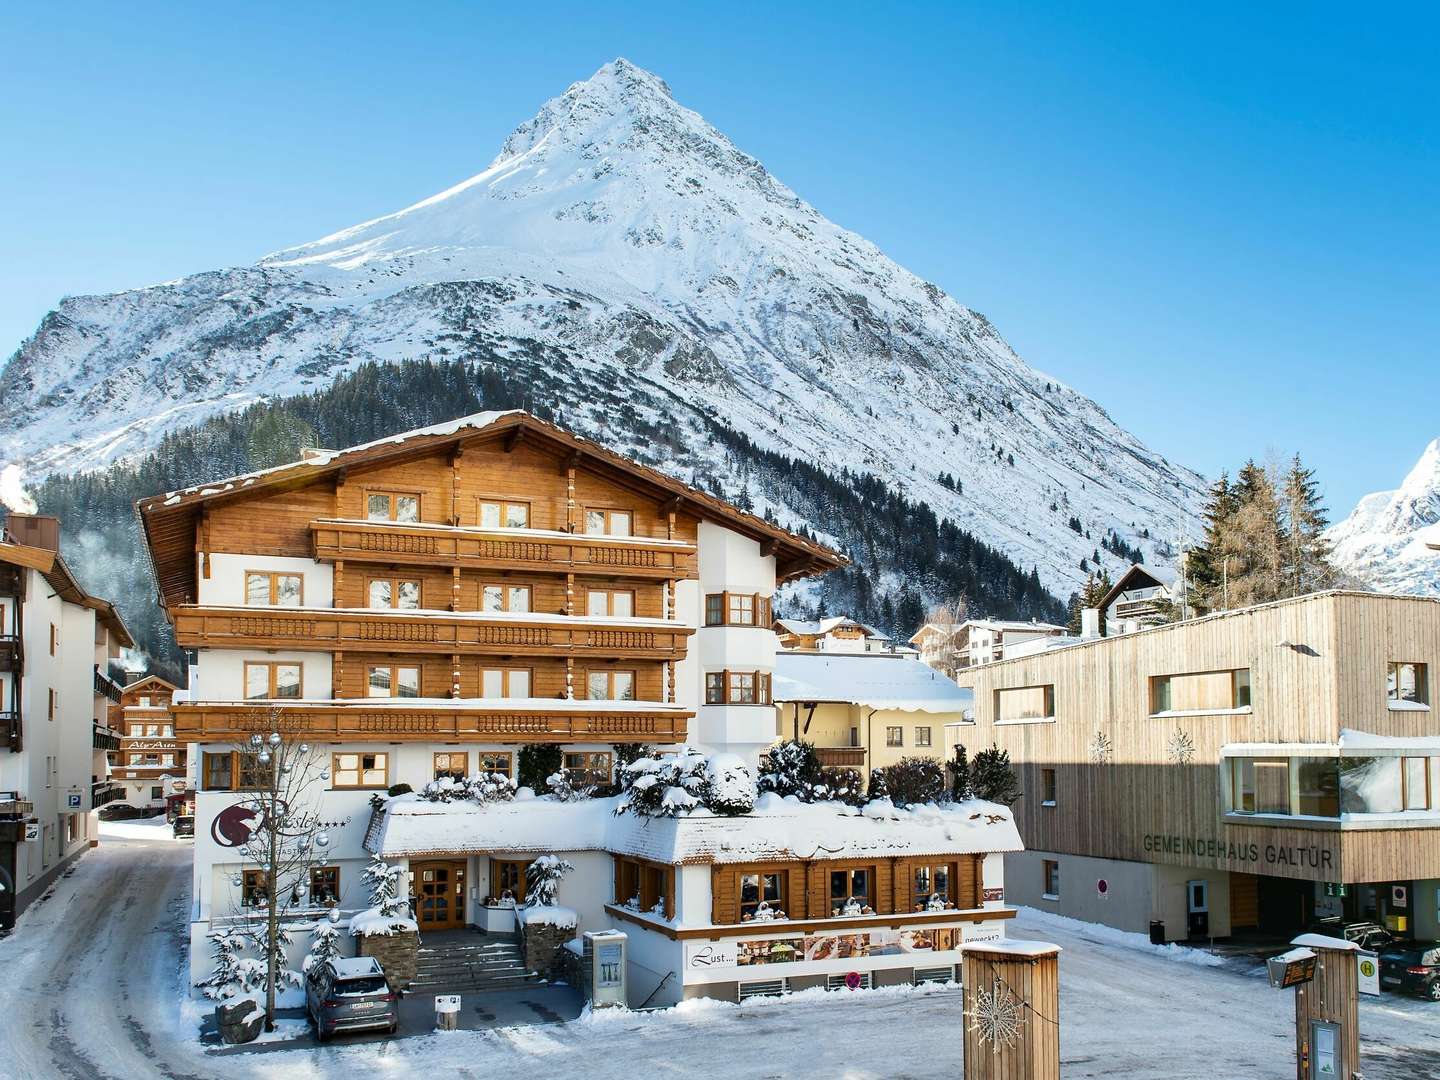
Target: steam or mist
[(13, 495)]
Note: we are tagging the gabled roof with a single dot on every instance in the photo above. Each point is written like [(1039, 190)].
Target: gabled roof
[(820, 627), (169, 520), (1139, 576), (148, 679), (57, 574), (875, 680)]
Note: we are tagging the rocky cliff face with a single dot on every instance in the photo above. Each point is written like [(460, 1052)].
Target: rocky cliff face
[(1385, 540), (623, 250)]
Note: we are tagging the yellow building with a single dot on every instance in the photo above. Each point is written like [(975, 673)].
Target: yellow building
[(867, 710)]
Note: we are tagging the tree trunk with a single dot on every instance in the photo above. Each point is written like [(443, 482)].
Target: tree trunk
[(272, 910)]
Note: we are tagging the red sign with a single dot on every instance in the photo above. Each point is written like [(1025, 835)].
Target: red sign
[(1102, 886), (852, 980), (992, 894)]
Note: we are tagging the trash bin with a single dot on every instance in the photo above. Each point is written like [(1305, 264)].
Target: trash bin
[(447, 1012), (1157, 932)]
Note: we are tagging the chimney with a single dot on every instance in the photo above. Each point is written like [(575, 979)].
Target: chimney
[(1089, 623), (34, 530)]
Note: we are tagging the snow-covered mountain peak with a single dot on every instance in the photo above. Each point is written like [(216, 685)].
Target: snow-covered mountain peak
[(1382, 541)]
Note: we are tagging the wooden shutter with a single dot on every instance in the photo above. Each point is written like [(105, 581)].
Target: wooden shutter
[(724, 895), (817, 893), (884, 898), (796, 899), (902, 874), (967, 882)]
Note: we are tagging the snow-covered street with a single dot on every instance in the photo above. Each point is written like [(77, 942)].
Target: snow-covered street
[(92, 977)]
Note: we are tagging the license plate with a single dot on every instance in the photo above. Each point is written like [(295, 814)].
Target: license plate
[(363, 1005)]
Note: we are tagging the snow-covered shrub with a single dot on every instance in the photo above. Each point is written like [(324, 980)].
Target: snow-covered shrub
[(671, 784), (729, 786), (230, 974), (791, 768), (542, 880), (560, 785), (912, 781), (841, 785), (324, 940), (480, 788), (383, 881)]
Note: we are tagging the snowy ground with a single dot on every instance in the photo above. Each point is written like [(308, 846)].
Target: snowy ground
[(93, 972)]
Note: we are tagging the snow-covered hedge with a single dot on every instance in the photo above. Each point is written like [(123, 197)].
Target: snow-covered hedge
[(793, 768), (667, 785), (478, 788)]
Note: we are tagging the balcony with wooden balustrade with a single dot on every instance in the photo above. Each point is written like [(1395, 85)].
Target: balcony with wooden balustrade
[(389, 631), (438, 720), (533, 550)]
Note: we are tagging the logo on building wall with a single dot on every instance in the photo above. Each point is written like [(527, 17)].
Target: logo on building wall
[(711, 954), (233, 825)]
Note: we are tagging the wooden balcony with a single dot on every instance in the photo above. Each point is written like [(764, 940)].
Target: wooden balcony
[(437, 721), (360, 630), (12, 653), (841, 757), (417, 544), (10, 731)]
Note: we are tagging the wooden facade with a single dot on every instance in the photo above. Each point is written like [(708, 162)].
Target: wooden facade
[(146, 704), (1331, 998), (1136, 784), (1024, 989)]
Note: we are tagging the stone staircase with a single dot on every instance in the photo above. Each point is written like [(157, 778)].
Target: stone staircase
[(470, 962)]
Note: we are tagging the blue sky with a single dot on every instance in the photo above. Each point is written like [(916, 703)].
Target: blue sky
[(1222, 225)]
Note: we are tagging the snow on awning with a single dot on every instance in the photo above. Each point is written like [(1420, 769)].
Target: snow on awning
[(873, 680)]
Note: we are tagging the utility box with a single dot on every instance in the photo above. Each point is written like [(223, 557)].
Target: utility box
[(605, 963)]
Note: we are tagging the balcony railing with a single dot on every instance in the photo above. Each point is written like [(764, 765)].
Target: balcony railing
[(107, 687), (10, 731), (361, 630), (501, 549), (12, 653), (841, 757), (105, 739), (105, 791), (16, 808), (361, 721)]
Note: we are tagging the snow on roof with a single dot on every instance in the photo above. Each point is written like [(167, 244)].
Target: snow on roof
[(1320, 941), (1013, 947), (776, 829), (1009, 624), (824, 626), (1351, 739), (876, 680)]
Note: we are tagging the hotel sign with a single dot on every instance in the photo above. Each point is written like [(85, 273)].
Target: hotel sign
[(1312, 857)]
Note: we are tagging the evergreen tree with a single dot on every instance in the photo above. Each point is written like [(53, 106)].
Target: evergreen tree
[(993, 777), (542, 880), (228, 973), (1255, 541), (383, 881), (324, 940), (1307, 552), (959, 768)]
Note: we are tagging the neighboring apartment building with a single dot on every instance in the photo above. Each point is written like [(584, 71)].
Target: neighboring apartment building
[(977, 641), (867, 711), (56, 642), (1143, 596), (835, 634), (432, 604), (150, 763), (1254, 770)]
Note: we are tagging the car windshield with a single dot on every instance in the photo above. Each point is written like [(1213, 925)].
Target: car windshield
[(1407, 956), (366, 984)]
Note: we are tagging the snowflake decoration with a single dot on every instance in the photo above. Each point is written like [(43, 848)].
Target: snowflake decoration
[(996, 1017), (1100, 748), (1180, 747)]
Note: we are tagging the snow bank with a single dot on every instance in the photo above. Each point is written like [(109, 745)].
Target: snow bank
[(372, 923), (1034, 919), (549, 915)]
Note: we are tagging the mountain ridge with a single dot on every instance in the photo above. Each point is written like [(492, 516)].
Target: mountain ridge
[(1384, 540)]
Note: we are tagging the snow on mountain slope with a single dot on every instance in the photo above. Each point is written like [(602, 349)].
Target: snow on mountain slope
[(1384, 540), (619, 241)]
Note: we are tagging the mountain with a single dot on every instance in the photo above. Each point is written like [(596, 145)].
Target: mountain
[(623, 259), (1383, 541)]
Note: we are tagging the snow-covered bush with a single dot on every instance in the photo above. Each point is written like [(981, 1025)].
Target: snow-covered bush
[(842, 785), (791, 767), (383, 881), (324, 940), (542, 880), (560, 785), (665, 785), (912, 781), (729, 786), (230, 974), (480, 788)]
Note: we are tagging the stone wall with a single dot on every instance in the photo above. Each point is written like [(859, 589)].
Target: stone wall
[(396, 953), (544, 947)]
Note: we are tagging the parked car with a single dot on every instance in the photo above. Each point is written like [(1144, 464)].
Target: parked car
[(1368, 935), (1412, 967), (350, 994), (184, 825), (119, 811)]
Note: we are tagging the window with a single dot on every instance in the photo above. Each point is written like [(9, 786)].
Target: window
[(157, 792), (1372, 785), (610, 685), (1415, 772), (144, 701), (325, 885), (167, 731), (253, 892), (894, 736), (152, 731), (1207, 691), (1047, 787), (932, 880), (737, 688), (218, 772), (1052, 879), (507, 879), (392, 506), (1318, 787), (761, 888), (393, 681), (505, 683), (394, 593), (614, 603), (54, 638), (455, 766), (272, 680), (53, 697), (737, 609), (602, 522), (1025, 703), (504, 514), (1260, 785), (1407, 684), (588, 767), (360, 770), (505, 598), (645, 885), (848, 888), (167, 760), (922, 736), (494, 763), (267, 588), (135, 730)]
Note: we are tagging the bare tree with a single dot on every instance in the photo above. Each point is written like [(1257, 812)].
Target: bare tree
[(945, 651)]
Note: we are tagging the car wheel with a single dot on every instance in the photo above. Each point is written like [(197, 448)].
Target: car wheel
[(1433, 991), (320, 1033), (394, 1027)]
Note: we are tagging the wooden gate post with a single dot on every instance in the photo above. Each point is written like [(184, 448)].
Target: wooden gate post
[(1012, 1010), (1327, 1011)]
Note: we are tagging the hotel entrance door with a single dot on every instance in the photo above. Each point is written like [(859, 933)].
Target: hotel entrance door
[(439, 894)]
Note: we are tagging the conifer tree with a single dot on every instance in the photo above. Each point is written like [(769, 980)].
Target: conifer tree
[(1307, 552)]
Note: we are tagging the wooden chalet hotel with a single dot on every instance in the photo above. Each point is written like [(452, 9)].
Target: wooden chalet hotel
[(429, 604)]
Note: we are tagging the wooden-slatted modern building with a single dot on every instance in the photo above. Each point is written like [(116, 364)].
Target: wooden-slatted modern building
[(1255, 770)]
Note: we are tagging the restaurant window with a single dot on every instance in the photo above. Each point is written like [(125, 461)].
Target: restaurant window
[(737, 609), (504, 514), (1025, 703), (1407, 684), (1047, 787), (367, 770), (505, 683), (761, 888), (136, 730), (272, 680), (505, 598), (922, 736), (610, 685), (395, 593), (932, 879), (611, 603), (848, 888), (507, 879), (604, 522), (1373, 785), (268, 588), (1051, 868), (493, 763), (644, 886), (894, 736), (1415, 773), (253, 892), (392, 681), (392, 506), (1260, 785), (152, 731), (1318, 787), (587, 767), (167, 760), (1206, 691), (167, 731), (325, 885), (451, 764)]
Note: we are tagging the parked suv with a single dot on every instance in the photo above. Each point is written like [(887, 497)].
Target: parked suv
[(350, 995), (1368, 935), (1412, 967), (184, 825)]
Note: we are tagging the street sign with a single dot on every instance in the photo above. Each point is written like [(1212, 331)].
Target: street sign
[(1291, 968), (1334, 889), (72, 800), (32, 830), (1368, 973), (852, 980)]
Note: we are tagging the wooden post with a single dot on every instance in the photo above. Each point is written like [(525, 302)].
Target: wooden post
[(1012, 1010), (1327, 1011)]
